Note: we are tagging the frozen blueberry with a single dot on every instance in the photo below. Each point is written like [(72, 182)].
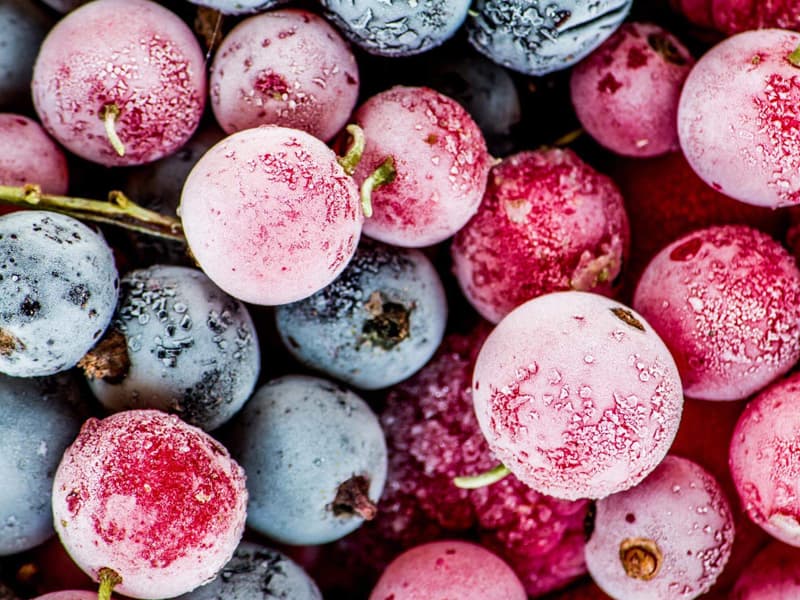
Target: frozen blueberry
[(377, 324), (178, 344), (397, 28), (23, 25), (537, 37), (58, 290)]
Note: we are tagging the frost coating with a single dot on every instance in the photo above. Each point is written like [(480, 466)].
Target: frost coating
[(397, 27), (774, 574), (537, 37), (239, 7)]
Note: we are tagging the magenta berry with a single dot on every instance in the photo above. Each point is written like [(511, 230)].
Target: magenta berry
[(440, 162), (29, 156), (669, 537), (774, 574), (726, 301), (626, 93), (68, 595), (733, 16), (548, 222), (577, 395)]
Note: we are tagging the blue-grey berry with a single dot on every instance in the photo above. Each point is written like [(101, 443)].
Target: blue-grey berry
[(239, 7), (23, 26)]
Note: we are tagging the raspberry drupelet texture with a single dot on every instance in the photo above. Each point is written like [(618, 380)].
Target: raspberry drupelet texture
[(440, 159), (726, 301), (577, 395), (548, 222), (143, 62), (29, 156), (774, 574), (157, 501)]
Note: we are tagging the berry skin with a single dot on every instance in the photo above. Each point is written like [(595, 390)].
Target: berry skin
[(238, 7), (59, 292), (68, 595), (734, 16), (577, 395), (745, 85), (315, 456), (270, 215), (669, 537), (626, 92), (23, 26), (725, 300), (28, 155), (287, 68), (157, 501), (774, 574), (192, 349), (143, 60), (441, 162), (448, 569), (548, 222), (377, 324)]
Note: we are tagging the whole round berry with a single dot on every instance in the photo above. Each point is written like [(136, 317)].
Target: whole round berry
[(285, 67), (548, 222), (449, 569), (143, 75), (29, 156), (23, 26), (377, 324), (774, 574), (315, 457), (726, 301), (59, 292), (238, 7), (397, 28), (669, 537), (270, 215), (186, 347), (738, 116), (577, 395), (149, 501)]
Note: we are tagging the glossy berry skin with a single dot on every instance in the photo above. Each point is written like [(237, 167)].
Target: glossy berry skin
[(725, 300), (536, 38), (238, 7), (300, 439), (143, 59), (377, 324), (23, 26), (29, 156), (284, 67), (548, 222), (669, 537), (577, 395), (738, 116), (256, 571), (397, 28), (270, 215), (448, 569), (59, 292), (626, 92), (193, 350), (734, 16), (764, 462), (39, 418), (774, 574), (441, 161), (156, 500)]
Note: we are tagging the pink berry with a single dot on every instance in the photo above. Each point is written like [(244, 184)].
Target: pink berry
[(28, 155), (68, 595), (448, 569), (726, 300), (733, 16), (739, 115), (626, 92), (577, 395), (764, 460), (288, 68), (156, 501), (696, 11), (129, 56), (270, 215), (774, 574), (669, 537), (441, 162), (548, 222)]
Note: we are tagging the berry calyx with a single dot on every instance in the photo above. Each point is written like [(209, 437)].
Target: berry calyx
[(794, 57), (108, 579), (352, 498), (640, 557)]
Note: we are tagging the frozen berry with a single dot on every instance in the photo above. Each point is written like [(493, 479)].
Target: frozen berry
[(23, 26), (29, 156), (238, 7), (774, 574)]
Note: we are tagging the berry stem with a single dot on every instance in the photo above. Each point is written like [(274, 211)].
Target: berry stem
[(569, 137), (108, 579), (118, 210), (794, 57), (355, 150), (384, 174), (109, 114), (473, 482)]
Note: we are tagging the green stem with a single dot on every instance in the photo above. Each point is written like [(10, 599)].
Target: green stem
[(473, 482), (109, 114), (794, 57), (355, 151), (119, 210), (108, 579), (384, 174)]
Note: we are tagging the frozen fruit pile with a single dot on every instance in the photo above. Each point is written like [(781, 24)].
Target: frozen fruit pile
[(389, 300)]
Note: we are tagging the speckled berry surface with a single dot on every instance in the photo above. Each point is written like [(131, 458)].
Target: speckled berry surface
[(733, 16), (29, 156), (774, 574)]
